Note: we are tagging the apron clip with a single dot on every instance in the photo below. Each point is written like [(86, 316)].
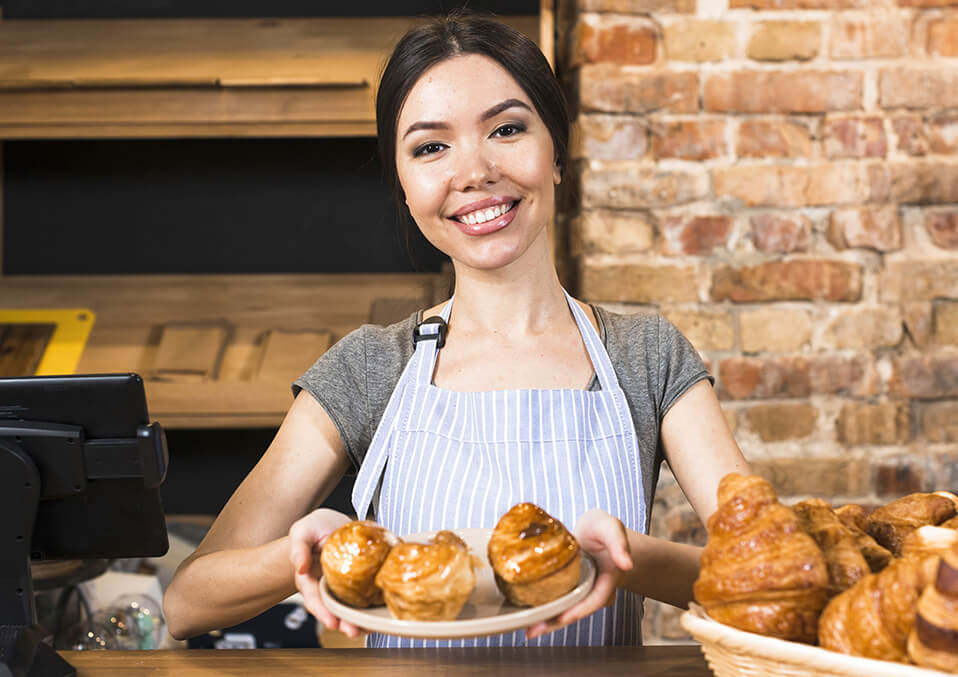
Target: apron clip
[(431, 328)]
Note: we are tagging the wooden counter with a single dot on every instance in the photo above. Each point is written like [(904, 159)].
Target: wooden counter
[(675, 661)]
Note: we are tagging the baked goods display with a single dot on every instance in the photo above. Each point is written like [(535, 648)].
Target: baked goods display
[(895, 599), (427, 581), (351, 557), (760, 571), (534, 557)]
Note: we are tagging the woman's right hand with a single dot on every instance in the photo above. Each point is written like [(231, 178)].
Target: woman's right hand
[(306, 538)]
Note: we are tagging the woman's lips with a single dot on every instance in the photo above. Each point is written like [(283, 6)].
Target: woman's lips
[(487, 227)]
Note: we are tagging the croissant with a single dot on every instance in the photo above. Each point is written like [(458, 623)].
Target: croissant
[(845, 562), (872, 618), (933, 642), (890, 524), (928, 540), (852, 515), (759, 571)]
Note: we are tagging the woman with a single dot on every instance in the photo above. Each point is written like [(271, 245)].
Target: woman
[(519, 393)]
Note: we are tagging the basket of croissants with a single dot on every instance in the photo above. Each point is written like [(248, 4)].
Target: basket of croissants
[(812, 590)]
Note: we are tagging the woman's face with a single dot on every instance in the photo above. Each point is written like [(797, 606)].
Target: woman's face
[(476, 163)]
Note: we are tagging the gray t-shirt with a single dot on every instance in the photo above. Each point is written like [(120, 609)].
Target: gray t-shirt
[(654, 362)]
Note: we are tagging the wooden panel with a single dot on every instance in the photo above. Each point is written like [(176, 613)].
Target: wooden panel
[(22, 346), (288, 354), (190, 351), (386, 311)]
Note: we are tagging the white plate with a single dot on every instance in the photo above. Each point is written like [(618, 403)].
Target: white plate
[(486, 611)]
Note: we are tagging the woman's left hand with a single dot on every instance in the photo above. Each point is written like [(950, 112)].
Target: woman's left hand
[(604, 537)]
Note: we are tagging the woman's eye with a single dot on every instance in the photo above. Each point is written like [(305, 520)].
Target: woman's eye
[(509, 130), (428, 149)]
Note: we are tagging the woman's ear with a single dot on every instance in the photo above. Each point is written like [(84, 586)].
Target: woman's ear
[(556, 173)]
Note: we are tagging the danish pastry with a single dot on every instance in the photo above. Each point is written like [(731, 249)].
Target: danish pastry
[(351, 557)]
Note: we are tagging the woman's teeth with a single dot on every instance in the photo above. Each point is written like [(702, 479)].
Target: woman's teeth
[(483, 215)]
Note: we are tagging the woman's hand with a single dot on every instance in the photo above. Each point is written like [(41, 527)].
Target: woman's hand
[(604, 537), (306, 539)]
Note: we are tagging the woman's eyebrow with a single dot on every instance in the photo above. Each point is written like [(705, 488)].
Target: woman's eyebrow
[(490, 113)]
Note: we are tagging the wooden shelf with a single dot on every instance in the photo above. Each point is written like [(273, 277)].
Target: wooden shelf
[(136, 78), (239, 390)]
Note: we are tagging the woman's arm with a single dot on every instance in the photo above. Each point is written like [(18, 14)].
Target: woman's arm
[(243, 566)]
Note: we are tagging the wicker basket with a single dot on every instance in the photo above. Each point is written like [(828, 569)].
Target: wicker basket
[(735, 653)]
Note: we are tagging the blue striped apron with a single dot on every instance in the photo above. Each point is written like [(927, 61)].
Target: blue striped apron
[(443, 460)]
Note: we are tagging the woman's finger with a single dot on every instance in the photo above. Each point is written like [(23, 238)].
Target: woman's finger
[(604, 588)]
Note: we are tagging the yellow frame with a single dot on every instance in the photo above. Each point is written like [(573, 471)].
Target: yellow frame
[(73, 326)]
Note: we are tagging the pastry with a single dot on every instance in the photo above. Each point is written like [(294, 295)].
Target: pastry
[(874, 617), (852, 515), (845, 562), (534, 557), (928, 540), (933, 642), (428, 581), (890, 523), (351, 557), (760, 571)]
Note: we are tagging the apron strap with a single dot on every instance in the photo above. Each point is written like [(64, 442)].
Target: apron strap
[(601, 362)]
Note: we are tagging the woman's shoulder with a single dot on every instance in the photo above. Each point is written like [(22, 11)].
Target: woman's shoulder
[(645, 324), (383, 343)]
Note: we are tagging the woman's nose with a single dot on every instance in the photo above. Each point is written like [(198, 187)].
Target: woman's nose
[(474, 169)]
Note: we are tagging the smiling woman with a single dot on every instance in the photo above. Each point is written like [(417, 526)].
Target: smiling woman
[(525, 395)]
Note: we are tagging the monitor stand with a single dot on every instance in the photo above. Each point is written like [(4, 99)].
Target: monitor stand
[(22, 652)]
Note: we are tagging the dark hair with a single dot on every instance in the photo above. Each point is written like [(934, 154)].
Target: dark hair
[(457, 34)]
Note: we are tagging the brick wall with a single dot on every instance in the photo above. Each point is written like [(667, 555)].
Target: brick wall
[(780, 179)]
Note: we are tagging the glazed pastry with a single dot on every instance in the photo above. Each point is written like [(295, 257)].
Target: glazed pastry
[(845, 562), (760, 571), (933, 642), (533, 555), (890, 523), (928, 541), (950, 524), (852, 515), (351, 557), (874, 617), (428, 581)]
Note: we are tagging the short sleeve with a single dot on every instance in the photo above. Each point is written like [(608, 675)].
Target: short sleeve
[(337, 380), (680, 366)]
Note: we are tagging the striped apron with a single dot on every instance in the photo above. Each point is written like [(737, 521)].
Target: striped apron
[(444, 460)]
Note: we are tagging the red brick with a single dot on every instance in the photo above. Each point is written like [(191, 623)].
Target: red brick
[(610, 137), (943, 228), (911, 281), (855, 137), (903, 475), (773, 138), (876, 37), (910, 130), (872, 227), (785, 41), (614, 39), (799, 4), (637, 6), (943, 36), (939, 420), (780, 234), (794, 186), (634, 187), (783, 91), (614, 89), (639, 283), (927, 3), (799, 280), (943, 134), (778, 422), (926, 376), (917, 319), (810, 476), (774, 329), (854, 375), (918, 88), (694, 234), (945, 322), (700, 40), (884, 423), (863, 327), (744, 378), (913, 182), (612, 232), (689, 140)]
